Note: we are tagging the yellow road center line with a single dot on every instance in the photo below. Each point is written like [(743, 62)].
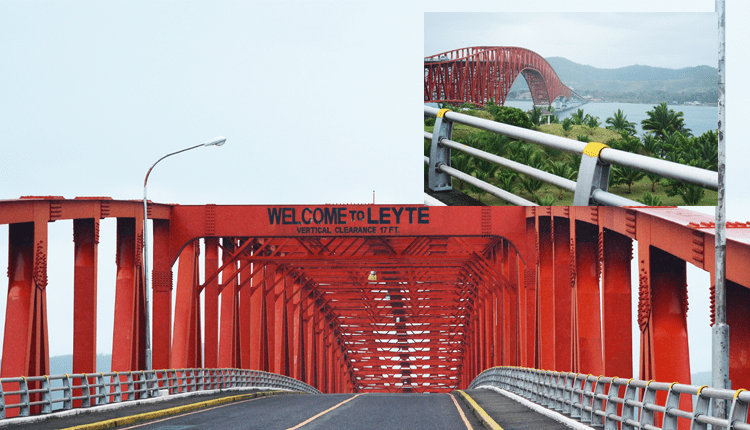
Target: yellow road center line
[(461, 412), (132, 419), (484, 416), (194, 412), (323, 413)]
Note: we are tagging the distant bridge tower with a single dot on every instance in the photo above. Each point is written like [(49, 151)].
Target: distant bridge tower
[(484, 73)]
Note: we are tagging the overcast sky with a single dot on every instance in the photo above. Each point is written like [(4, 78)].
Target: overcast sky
[(319, 101), (603, 40)]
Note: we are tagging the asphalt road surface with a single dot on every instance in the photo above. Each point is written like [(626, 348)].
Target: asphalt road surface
[(326, 411)]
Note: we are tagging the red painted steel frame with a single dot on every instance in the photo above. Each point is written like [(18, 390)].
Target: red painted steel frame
[(483, 73), (457, 290)]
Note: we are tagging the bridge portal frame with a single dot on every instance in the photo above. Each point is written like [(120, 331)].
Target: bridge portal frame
[(534, 331)]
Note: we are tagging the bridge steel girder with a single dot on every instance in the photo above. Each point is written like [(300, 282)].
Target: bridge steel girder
[(458, 290), (483, 73)]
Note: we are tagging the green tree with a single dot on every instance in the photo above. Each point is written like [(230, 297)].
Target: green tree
[(535, 116), (563, 169), (651, 145), (625, 175), (578, 117), (592, 123), (650, 200), (462, 162), (506, 179), (567, 125), (662, 121), (619, 122), (530, 184), (510, 115)]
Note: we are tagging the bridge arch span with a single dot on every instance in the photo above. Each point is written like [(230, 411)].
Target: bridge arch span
[(483, 73)]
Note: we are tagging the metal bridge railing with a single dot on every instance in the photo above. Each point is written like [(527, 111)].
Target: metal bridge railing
[(593, 174), (596, 400), (117, 387)]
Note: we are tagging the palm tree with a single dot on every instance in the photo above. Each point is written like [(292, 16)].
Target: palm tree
[(462, 162), (619, 122), (563, 169), (567, 124), (577, 117), (651, 145), (625, 175), (593, 122), (662, 121)]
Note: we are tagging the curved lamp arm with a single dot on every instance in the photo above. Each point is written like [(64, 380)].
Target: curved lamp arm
[(217, 141)]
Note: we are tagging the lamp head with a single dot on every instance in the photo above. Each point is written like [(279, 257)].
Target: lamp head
[(216, 141)]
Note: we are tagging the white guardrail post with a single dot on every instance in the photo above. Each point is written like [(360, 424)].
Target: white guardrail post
[(592, 175), (439, 154)]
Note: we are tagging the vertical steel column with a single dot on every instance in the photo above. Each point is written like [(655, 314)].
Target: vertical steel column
[(587, 299), (280, 362), (185, 312), (228, 350), (529, 337), (546, 294), (668, 323), (25, 343), (563, 291), (211, 304), (294, 315), (320, 348), (258, 347), (738, 317), (86, 240), (129, 339), (161, 287), (309, 324), (618, 338), (512, 305), (246, 311)]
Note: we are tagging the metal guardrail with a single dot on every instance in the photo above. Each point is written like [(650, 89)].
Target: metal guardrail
[(593, 174), (596, 400), (117, 387)]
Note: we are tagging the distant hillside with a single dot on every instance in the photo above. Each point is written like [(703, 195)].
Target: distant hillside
[(639, 83), (61, 364)]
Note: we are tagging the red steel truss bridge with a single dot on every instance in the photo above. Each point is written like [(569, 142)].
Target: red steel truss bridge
[(368, 298), (482, 73)]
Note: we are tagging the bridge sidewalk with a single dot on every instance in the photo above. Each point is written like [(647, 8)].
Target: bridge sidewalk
[(512, 415), (130, 412)]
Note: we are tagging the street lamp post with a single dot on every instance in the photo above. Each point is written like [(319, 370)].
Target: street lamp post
[(217, 141)]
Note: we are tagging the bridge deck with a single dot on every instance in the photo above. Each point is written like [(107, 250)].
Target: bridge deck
[(329, 411)]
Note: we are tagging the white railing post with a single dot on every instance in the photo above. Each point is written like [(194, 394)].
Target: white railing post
[(592, 175), (439, 155)]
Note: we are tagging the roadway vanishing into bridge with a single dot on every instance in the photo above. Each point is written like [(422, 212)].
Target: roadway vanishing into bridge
[(291, 411)]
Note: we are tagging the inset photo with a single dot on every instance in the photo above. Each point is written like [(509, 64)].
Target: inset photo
[(571, 109)]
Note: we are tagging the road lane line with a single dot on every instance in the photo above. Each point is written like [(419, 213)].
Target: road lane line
[(132, 419), (461, 412), (483, 416), (323, 413), (192, 413)]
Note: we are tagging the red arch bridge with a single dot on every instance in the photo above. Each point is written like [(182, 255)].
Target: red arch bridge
[(455, 290), (482, 73)]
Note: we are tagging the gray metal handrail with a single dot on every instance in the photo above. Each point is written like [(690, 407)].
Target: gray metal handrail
[(117, 387), (593, 177), (596, 400)]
